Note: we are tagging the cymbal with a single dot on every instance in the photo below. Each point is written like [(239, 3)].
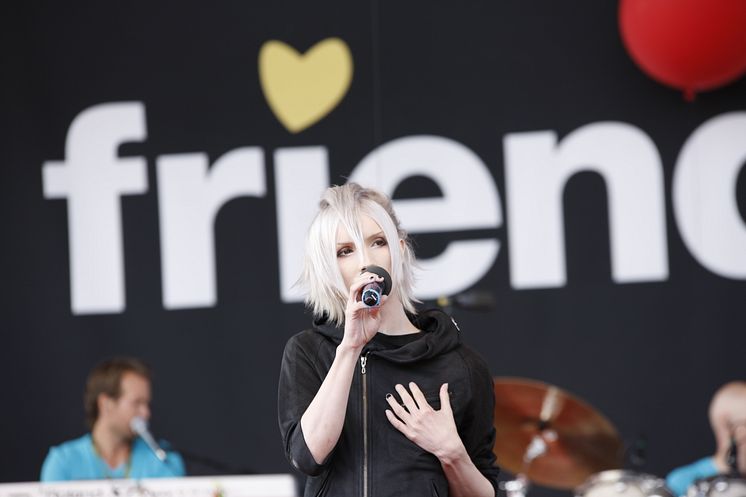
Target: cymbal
[(580, 441)]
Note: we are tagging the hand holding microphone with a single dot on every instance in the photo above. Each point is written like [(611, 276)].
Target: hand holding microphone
[(373, 292), (362, 314)]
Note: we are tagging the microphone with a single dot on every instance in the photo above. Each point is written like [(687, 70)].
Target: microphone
[(140, 427), (372, 292), (471, 300)]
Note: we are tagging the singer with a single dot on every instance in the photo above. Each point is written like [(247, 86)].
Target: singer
[(117, 391), (728, 422), (383, 400)]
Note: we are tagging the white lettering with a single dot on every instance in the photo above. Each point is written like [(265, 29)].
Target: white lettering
[(704, 194), (189, 198), (536, 172), (301, 176), (92, 178), (470, 201)]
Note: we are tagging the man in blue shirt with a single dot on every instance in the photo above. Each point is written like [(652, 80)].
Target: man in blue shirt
[(728, 421), (116, 391)]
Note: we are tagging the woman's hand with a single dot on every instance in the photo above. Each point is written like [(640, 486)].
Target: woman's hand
[(361, 322), (433, 431)]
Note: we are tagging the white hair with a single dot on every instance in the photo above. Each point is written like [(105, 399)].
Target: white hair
[(345, 206)]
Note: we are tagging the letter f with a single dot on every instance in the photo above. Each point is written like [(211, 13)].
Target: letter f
[(92, 177)]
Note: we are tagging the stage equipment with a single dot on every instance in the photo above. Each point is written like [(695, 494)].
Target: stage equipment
[(372, 292), (140, 427), (550, 437), (281, 485), (718, 486), (471, 300), (618, 483)]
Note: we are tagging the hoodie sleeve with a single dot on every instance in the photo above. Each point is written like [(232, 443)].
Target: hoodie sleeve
[(299, 382), (478, 429)]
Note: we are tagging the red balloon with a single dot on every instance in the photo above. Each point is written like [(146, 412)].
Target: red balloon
[(692, 45)]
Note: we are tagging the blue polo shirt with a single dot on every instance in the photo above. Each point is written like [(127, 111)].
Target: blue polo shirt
[(77, 460), (680, 479)]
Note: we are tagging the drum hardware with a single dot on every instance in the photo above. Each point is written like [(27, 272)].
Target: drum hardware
[(718, 486), (621, 483), (732, 457), (547, 436), (519, 486), (638, 453)]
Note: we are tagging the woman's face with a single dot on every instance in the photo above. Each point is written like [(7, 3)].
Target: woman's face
[(375, 250)]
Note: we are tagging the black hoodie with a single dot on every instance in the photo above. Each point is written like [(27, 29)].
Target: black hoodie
[(372, 458)]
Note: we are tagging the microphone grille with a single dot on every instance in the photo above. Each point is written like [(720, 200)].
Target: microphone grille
[(139, 425)]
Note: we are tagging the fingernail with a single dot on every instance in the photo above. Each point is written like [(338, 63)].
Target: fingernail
[(388, 396)]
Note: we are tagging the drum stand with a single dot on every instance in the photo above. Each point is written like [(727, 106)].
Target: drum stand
[(550, 406), (521, 484)]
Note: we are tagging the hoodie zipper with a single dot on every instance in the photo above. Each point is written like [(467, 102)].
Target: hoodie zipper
[(363, 363)]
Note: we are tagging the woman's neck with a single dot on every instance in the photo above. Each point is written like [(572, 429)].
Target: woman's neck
[(394, 320)]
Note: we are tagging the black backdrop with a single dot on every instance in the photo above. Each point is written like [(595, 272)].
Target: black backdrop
[(648, 354)]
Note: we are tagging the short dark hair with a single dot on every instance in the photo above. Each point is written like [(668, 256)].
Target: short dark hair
[(106, 378)]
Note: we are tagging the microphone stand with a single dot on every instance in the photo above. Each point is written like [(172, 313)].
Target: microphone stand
[(518, 487), (637, 453), (470, 300), (537, 447), (732, 458)]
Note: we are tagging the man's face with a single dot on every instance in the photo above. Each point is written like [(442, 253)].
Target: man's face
[(133, 401)]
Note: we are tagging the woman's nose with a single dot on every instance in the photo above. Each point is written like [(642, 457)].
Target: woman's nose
[(365, 260)]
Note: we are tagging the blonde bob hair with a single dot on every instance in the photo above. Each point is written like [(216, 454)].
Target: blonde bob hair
[(322, 280)]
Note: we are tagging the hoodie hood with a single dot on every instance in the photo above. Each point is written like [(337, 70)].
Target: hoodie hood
[(439, 331)]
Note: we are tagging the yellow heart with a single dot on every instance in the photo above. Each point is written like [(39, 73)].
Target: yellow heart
[(303, 88)]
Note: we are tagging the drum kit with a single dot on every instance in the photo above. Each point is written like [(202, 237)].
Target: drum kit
[(551, 438)]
